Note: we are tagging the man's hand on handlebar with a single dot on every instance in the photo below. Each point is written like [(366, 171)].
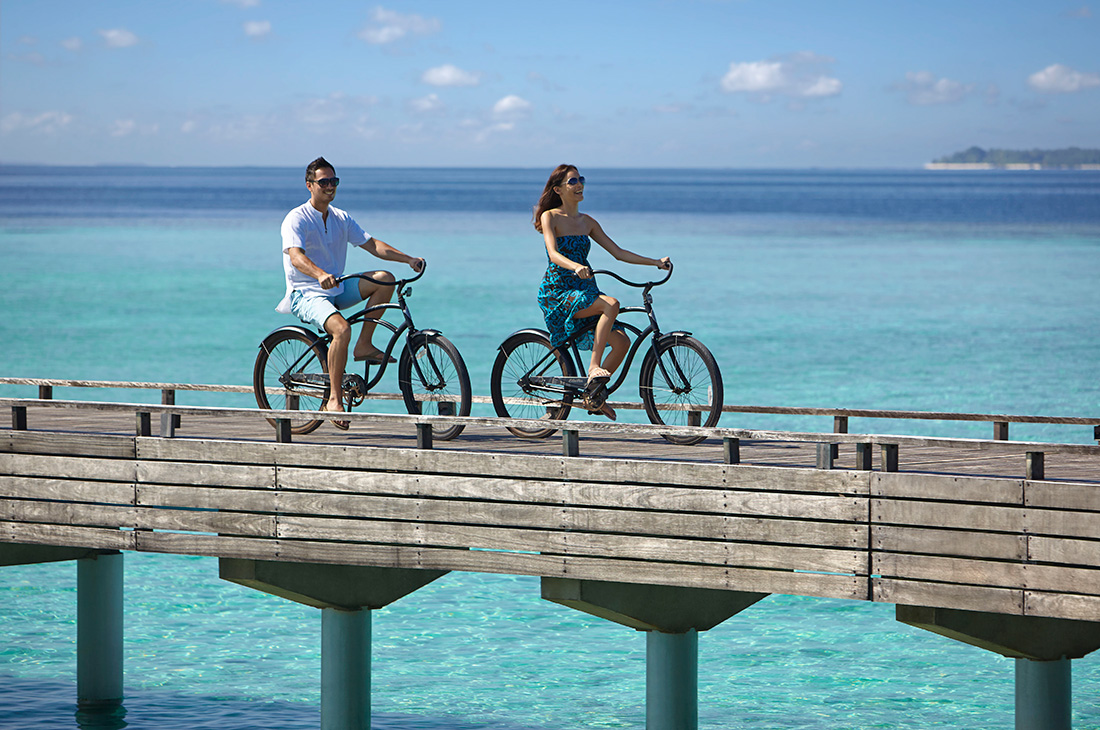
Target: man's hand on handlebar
[(327, 281)]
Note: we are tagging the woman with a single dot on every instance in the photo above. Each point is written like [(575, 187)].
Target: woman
[(568, 296)]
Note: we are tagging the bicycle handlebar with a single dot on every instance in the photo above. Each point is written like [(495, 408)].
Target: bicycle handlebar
[(397, 283), (635, 284)]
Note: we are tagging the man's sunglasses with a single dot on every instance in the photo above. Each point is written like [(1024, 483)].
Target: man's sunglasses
[(327, 182), (574, 181)]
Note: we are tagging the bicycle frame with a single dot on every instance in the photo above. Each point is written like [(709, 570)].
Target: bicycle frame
[(403, 292), (652, 332)]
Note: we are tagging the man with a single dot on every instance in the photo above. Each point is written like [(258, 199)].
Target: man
[(315, 239)]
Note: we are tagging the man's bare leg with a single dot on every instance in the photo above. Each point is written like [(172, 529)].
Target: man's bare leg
[(374, 294)]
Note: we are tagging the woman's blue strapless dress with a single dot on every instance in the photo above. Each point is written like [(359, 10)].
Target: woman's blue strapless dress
[(563, 294)]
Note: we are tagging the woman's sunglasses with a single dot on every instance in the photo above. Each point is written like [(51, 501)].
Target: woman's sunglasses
[(574, 181)]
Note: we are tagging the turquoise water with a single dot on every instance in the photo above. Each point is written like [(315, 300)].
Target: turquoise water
[(894, 290)]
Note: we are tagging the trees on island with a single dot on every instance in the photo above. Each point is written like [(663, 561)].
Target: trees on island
[(1069, 157)]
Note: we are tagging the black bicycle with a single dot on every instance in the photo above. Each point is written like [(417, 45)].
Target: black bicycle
[(291, 371), (680, 383)]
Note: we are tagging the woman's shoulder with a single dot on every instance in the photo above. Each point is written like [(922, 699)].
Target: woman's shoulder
[(565, 226)]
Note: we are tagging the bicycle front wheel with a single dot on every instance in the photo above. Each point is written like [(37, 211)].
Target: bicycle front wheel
[(522, 356), (681, 386), (288, 359), (433, 381)]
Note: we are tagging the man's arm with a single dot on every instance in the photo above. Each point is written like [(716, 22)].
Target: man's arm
[(303, 263), (385, 251)]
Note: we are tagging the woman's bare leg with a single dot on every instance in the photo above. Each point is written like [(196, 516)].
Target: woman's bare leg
[(608, 310)]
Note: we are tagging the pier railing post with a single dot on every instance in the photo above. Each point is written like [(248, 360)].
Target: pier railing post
[(99, 630), (570, 442), (168, 398), (889, 457), (1035, 468), (731, 450), (424, 436), (1000, 430), (863, 456), (840, 425)]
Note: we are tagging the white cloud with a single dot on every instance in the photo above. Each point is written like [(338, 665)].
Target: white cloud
[(257, 28), (923, 89), (127, 127), (429, 104), (72, 44), (800, 75), (45, 123), (512, 106), (119, 38), (389, 26), (448, 75), (1059, 79)]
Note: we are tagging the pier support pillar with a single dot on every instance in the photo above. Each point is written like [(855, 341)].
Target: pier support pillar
[(1043, 649), (672, 618), (672, 680), (99, 630), (345, 669), (346, 594), (1044, 695)]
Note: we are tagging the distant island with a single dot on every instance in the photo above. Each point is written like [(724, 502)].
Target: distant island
[(975, 158)]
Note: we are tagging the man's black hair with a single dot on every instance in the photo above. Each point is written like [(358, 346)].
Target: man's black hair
[(316, 165)]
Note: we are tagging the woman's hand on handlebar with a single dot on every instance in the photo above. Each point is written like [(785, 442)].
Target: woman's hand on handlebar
[(664, 263), (417, 265)]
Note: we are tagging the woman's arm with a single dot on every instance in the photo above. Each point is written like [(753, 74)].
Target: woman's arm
[(621, 253)]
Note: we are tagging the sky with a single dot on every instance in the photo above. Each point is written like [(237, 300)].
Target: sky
[(510, 83)]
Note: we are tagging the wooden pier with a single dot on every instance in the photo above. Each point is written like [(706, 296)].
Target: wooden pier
[(992, 542)]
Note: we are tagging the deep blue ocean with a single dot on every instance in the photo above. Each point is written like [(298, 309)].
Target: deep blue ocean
[(914, 290)]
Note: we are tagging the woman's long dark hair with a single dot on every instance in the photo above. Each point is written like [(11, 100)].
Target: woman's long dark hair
[(549, 199)]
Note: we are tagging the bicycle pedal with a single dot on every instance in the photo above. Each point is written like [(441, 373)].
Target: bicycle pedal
[(595, 384), (594, 398)]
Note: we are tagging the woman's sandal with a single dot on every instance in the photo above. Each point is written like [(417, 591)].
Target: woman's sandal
[(342, 425)]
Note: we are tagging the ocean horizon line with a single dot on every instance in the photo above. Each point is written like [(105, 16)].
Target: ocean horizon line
[(152, 166)]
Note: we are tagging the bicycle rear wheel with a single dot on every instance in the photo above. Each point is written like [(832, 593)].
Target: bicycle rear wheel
[(286, 353), (681, 386), (522, 355), (433, 381)]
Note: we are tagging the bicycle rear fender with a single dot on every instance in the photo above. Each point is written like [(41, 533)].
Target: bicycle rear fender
[(291, 328), (527, 331)]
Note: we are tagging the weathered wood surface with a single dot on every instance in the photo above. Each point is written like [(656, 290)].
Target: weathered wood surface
[(958, 526), (841, 414)]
